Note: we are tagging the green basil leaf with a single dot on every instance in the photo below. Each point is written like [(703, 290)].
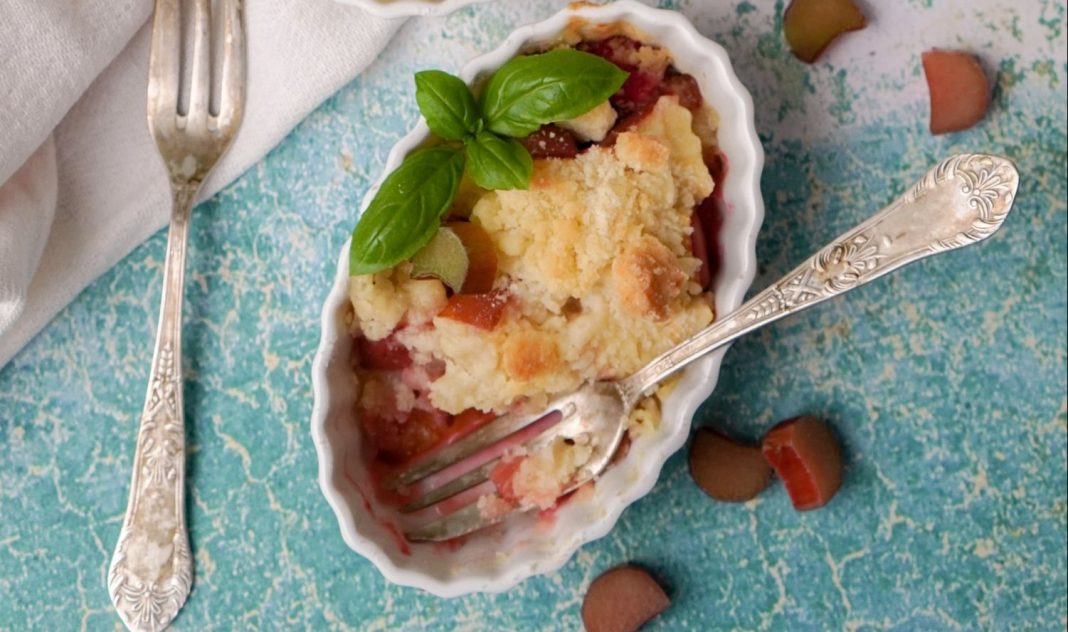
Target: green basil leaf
[(447, 104), (494, 162), (528, 92), (407, 210)]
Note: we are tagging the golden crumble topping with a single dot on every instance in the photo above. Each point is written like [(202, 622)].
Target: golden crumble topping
[(596, 259)]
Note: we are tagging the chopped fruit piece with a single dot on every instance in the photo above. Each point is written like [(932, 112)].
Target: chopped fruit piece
[(642, 87), (466, 195), (807, 457), (443, 258), (481, 257), (725, 469), (618, 49), (685, 88), (960, 91), (699, 248), (397, 441), (469, 420), (386, 354), (478, 310), (639, 91), (622, 599), (709, 214), (593, 125), (551, 141), (717, 168), (810, 25), (502, 476), (434, 369)]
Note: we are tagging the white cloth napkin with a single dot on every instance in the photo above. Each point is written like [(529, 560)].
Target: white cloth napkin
[(82, 183)]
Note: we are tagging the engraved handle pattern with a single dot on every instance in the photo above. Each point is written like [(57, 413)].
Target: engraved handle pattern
[(152, 570), (961, 201)]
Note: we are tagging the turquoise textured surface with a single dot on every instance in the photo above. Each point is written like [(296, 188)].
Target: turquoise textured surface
[(946, 381)]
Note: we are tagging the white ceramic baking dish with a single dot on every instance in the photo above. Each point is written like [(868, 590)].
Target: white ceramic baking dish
[(497, 559)]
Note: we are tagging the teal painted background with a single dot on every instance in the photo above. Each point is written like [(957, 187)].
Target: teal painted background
[(946, 381)]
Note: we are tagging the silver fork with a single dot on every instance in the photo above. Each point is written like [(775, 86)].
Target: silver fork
[(151, 571), (961, 201)]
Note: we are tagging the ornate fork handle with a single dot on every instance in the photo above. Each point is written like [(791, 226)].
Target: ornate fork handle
[(962, 200), (152, 570)]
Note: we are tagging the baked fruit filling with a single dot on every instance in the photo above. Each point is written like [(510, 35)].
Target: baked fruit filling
[(602, 263)]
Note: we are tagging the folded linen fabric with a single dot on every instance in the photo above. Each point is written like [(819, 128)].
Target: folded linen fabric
[(82, 183)]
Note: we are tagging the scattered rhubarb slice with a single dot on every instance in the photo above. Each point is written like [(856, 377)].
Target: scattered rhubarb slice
[(478, 310), (443, 258), (806, 456), (481, 257), (726, 469), (387, 354), (810, 25), (959, 89), (622, 599)]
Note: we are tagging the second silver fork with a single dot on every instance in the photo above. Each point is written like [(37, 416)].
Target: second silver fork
[(151, 572)]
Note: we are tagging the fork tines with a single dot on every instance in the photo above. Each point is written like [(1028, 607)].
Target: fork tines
[(448, 484), (165, 66)]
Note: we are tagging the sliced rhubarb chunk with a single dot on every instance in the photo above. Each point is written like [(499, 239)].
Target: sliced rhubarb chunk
[(481, 257), (959, 90), (468, 421), (502, 475), (810, 25), (699, 248), (685, 88), (725, 469), (387, 354), (443, 258), (642, 87), (478, 310), (397, 441), (622, 599), (806, 456), (639, 92), (618, 49), (716, 163), (551, 141)]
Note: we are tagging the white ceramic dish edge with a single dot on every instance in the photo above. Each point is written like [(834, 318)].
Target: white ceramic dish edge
[(409, 8), (576, 523)]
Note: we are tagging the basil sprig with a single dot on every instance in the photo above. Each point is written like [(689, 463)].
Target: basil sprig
[(524, 94)]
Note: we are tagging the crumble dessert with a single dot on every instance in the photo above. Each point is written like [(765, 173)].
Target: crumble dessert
[(599, 266)]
